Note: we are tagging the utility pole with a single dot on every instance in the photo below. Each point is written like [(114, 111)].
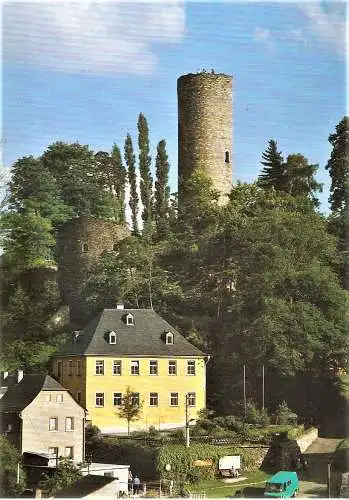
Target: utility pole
[(329, 478), (187, 438), (245, 405), (263, 386)]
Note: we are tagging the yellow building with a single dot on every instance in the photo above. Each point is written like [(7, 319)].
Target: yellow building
[(133, 348)]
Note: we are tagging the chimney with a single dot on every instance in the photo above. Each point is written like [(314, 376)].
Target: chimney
[(119, 306), (20, 374)]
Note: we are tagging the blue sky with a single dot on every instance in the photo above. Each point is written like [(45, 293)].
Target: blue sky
[(83, 72)]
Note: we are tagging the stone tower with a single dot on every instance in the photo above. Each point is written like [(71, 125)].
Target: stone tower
[(205, 128), (80, 242)]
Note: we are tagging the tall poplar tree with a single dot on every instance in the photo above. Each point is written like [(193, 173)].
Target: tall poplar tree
[(272, 175), (144, 168), (119, 171), (162, 190), (130, 160)]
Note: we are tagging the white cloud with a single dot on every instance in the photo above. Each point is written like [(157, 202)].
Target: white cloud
[(327, 23), (91, 37), (264, 36)]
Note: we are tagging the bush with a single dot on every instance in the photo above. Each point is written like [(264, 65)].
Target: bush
[(284, 415)]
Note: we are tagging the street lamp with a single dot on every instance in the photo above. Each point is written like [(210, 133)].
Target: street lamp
[(187, 421)]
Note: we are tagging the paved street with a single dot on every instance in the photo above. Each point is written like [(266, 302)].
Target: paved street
[(314, 480)]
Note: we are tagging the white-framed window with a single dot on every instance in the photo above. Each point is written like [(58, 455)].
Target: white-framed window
[(174, 399), (191, 399), (47, 398), (99, 399), (53, 450), (153, 399), (134, 367), (53, 424), (117, 398), (117, 367), (99, 367), (59, 398), (69, 423), (59, 369), (169, 338), (153, 367), (78, 396), (129, 320), (135, 399), (112, 338), (191, 367), (69, 452), (78, 368), (172, 367), (9, 428), (70, 368)]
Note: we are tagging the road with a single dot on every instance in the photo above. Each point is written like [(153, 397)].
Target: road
[(314, 480)]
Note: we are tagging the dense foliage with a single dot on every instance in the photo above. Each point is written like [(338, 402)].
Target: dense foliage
[(257, 282), (12, 476)]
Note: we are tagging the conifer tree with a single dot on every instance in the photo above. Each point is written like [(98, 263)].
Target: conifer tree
[(146, 181), (299, 178), (338, 167), (272, 175), (162, 190), (130, 160)]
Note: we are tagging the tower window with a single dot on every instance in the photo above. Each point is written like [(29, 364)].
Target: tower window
[(85, 247), (227, 157)]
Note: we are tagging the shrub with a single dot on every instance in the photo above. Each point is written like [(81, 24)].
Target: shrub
[(284, 415)]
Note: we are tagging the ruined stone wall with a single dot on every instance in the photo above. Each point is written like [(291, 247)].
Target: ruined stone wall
[(205, 127), (80, 242)]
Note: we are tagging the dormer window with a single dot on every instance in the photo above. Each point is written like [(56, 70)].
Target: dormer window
[(112, 338), (169, 338), (129, 320)]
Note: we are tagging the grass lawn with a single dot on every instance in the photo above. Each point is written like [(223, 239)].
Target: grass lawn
[(216, 488)]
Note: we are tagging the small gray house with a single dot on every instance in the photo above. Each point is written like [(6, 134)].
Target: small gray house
[(38, 415)]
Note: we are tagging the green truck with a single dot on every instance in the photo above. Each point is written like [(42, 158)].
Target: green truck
[(283, 484)]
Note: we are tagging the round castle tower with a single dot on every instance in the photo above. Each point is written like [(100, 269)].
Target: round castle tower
[(80, 242), (205, 128)]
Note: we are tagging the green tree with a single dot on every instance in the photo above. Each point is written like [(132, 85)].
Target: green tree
[(119, 175), (34, 188), (65, 474), (10, 465), (272, 175), (132, 273), (300, 178), (146, 181), (27, 240), (130, 160), (338, 167), (162, 191), (131, 407)]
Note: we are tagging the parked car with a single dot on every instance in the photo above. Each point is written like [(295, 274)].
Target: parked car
[(283, 484)]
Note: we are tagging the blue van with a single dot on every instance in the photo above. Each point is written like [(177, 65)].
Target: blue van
[(283, 484)]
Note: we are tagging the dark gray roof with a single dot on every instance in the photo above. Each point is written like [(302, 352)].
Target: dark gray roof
[(144, 338), (84, 486), (19, 396)]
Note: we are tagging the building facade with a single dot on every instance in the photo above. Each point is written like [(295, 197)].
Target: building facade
[(38, 415), (205, 129), (133, 349)]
